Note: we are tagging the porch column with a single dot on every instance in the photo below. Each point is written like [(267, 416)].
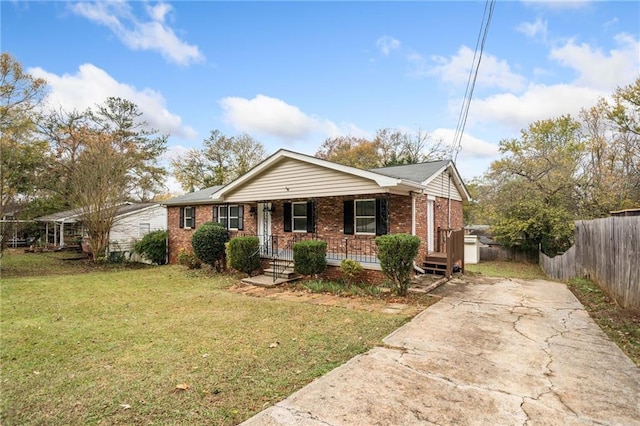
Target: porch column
[(61, 234)]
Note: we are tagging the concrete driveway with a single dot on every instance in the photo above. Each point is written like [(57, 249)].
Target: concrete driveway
[(499, 352)]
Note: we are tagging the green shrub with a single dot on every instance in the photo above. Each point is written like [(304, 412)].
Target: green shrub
[(243, 254), (351, 270), (116, 257), (310, 257), (189, 259), (397, 253), (153, 247), (208, 244)]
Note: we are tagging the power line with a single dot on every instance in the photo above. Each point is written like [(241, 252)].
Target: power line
[(473, 76)]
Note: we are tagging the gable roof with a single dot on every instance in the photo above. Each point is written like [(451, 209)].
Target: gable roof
[(420, 172), (202, 196), (425, 173), (381, 181), (72, 215)]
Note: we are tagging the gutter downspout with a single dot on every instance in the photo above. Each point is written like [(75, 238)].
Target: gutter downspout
[(413, 229)]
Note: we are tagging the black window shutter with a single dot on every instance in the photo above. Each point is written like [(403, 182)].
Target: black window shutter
[(382, 208), (193, 217), (348, 217), (240, 217), (311, 217), (181, 217), (214, 214), (287, 217)]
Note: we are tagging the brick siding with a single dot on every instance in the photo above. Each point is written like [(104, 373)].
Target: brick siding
[(329, 223)]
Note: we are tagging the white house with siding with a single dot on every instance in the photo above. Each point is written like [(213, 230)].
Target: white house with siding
[(133, 221)]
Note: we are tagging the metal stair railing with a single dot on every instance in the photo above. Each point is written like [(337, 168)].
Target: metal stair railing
[(281, 259)]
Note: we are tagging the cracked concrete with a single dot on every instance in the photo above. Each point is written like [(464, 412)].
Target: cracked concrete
[(506, 352)]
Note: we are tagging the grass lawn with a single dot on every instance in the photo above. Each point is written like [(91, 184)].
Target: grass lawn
[(158, 345), (621, 325)]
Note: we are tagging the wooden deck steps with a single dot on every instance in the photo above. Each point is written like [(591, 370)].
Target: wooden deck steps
[(435, 263)]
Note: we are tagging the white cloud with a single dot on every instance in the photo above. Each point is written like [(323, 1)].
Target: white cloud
[(493, 72), (274, 117), (538, 102), (471, 146), (598, 75), (92, 85), (601, 70), (138, 34), (532, 29), (386, 44), (557, 4)]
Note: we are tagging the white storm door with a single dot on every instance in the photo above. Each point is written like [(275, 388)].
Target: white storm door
[(264, 227)]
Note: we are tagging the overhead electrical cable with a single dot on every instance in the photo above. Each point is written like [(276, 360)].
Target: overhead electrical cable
[(487, 14), (473, 76)]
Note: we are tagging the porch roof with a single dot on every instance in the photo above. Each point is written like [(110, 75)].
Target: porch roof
[(71, 216), (287, 175)]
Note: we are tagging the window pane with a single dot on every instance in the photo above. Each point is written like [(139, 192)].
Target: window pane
[(188, 222), (366, 225), (299, 224), (233, 211), (365, 208), (300, 209), (233, 223)]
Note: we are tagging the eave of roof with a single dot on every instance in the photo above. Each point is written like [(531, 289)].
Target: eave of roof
[(202, 196), (381, 180)]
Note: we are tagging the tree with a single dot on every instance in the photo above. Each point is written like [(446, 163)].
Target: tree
[(350, 151), (534, 200), (120, 121), (390, 147), (21, 152), (396, 147), (97, 188), (100, 158), (611, 161), (221, 160)]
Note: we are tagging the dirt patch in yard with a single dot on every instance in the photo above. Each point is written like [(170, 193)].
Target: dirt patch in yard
[(387, 303)]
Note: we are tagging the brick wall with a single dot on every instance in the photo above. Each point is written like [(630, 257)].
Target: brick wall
[(180, 238), (329, 222)]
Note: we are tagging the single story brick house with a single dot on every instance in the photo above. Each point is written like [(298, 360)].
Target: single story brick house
[(292, 196)]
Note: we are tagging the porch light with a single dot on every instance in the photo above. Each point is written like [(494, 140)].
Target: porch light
[(252, 211)]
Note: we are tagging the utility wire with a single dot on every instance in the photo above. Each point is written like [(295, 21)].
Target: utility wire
[(473, 76)]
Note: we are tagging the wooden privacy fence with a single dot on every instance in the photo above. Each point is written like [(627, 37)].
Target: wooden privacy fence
[(606, 251)]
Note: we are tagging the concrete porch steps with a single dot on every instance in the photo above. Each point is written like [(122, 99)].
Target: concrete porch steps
[(266, 279), (268, 282)]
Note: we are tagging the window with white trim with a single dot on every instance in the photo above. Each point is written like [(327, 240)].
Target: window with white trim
[(299, 216), (143, 229), (230, 216), (189, 214), (365, 217)]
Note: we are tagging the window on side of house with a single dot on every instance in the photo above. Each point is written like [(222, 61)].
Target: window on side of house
[(187, 217), (365, 217), (299, 217), (143, 229)]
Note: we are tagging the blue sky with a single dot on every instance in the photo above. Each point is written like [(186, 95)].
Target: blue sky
[(292, 74)]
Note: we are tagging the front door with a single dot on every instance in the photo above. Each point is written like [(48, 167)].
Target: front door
[(430, 227), (264, 228)]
